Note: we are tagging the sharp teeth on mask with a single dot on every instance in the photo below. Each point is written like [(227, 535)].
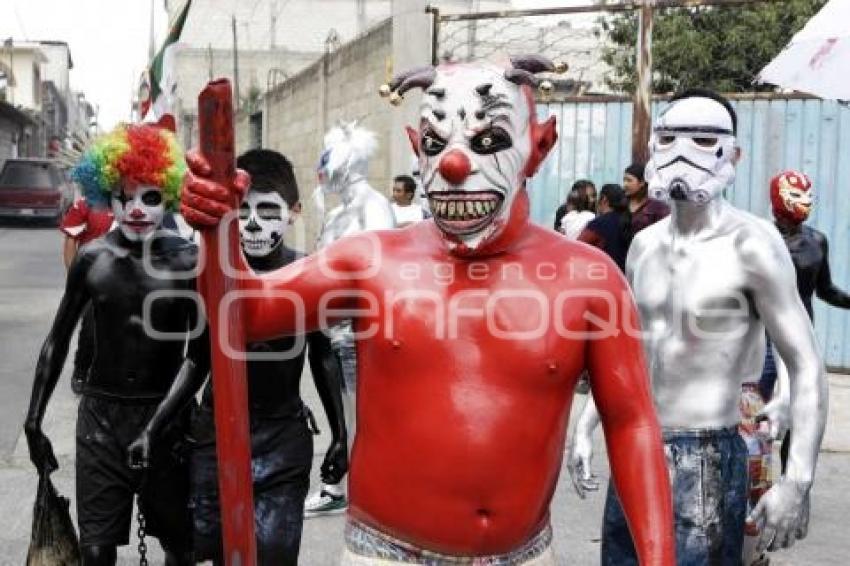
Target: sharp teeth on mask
[(470, 208), (479, 207), (451, 209)]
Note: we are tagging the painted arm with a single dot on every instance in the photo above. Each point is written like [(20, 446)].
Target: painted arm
[(51, 360), (826, 289), (326, 376), (620, 387), (190, 378), (580, 451), (69, 250), (772, 281)]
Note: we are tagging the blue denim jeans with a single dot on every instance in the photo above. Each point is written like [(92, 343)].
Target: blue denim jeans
[(342, 343), (708, 474)]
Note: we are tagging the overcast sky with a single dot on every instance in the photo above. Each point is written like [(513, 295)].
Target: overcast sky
[(108, 41)]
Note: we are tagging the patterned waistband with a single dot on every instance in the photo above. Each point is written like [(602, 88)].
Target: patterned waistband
[(369, 542), (670, 433)]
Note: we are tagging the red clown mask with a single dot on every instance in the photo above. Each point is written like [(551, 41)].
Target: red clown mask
[(791, 196), (478, 141)]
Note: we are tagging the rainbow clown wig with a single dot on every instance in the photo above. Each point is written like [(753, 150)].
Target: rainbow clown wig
[(142, 154)]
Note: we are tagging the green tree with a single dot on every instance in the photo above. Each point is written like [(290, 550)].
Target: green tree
[(722, 48)]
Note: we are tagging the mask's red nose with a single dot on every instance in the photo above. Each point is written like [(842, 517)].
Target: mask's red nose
[(455, 167), (136, 214)]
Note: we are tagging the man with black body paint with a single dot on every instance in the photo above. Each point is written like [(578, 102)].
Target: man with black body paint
[(281, 442)]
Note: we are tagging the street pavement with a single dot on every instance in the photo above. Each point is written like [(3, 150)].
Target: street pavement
[(31, 280)]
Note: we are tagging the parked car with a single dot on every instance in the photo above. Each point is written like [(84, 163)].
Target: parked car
[(34, 188)]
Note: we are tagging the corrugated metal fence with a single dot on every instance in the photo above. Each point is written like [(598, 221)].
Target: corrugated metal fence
[(774, 134)]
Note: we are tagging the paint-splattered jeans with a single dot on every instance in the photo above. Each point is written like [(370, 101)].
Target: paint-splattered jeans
[(342, 343), (708, 476)]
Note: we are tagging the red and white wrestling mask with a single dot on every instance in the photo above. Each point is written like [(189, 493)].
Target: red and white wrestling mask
[(791, 196), (139, 210), (478, 140)]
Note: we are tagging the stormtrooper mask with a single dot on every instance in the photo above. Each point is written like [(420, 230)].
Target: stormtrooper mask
[(139, 210), (345, 157), (692, 151), (478, 140), (791, 196), (263, 220)]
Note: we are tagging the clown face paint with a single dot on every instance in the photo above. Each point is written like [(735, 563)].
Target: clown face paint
[(692, 152), (139, 211), (263, 219), (474, 147), (791, 196)]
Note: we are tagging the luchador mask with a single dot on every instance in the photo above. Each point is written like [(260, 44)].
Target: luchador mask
[(263, 219), (791, 196), (692, 151), (345, 157), (139, 210), (478, 140)]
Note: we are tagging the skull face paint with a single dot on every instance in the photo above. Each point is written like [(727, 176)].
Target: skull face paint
[(263, 219), (139, 210), (791, 196), (692, 151), (475, 144)]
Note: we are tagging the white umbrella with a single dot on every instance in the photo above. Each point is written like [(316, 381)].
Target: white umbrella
[(817, 60)]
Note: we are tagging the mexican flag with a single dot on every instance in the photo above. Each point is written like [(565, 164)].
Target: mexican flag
[(159, 82)]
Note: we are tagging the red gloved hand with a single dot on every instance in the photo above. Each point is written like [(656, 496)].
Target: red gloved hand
[(203, 201)]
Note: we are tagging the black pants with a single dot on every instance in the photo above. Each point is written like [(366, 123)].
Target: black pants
[(106, 485), (281, 457)]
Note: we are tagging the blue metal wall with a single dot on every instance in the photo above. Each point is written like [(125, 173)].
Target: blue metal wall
[(806, 134)]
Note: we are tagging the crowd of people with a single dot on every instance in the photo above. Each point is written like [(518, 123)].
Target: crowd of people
[(460, 427), (610, 218)]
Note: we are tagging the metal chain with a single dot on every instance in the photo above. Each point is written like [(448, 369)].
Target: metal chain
[(143, 548)]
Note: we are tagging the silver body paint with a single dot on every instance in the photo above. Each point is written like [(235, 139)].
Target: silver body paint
[(707, 281), (363, 208)]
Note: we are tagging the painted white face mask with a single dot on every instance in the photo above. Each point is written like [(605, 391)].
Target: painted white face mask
[(345, 157), (139, 212), (474, 145), (263, 219), (692, 152)]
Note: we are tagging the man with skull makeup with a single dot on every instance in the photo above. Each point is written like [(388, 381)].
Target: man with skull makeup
[(281, 441), (466, 424), (140, 285), (708, 280), (342, 172)]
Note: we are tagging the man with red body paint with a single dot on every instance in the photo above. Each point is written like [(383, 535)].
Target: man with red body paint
[(472, 330)]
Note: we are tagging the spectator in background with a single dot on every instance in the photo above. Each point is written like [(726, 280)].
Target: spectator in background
[(645, 211), (80, 225), (611, 231), (581, 184), (405, 210), (581, 204)]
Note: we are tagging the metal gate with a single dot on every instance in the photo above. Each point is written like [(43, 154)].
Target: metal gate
[(775, 133)]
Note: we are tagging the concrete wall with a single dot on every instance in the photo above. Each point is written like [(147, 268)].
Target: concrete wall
[(342, 85)]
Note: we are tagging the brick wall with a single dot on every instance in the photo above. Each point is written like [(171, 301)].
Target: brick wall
[(342, 85)]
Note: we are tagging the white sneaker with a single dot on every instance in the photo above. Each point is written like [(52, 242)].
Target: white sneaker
[(325, 502)]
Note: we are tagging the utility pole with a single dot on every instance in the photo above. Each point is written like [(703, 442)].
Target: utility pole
[(236, 98), (272, 23), (642, 113), (210, 61)]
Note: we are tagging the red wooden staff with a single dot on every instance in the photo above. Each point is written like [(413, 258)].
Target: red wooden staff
[(230, 388)]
